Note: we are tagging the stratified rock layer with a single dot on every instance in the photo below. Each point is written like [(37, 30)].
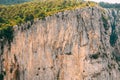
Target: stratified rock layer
[(81, 44)]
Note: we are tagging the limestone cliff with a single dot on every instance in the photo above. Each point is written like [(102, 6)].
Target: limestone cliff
[(82, 44)]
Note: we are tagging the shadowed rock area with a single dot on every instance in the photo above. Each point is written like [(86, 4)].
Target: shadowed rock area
[(82, 44)]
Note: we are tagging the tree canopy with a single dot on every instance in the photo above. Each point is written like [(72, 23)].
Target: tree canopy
[(12, 1), (108, 5), (11, 15)]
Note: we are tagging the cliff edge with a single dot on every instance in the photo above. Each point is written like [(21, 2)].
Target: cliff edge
[(80, 44)]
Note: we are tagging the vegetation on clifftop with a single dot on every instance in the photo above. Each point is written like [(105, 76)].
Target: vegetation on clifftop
[(110, 5), (7, 2), (20, 13)]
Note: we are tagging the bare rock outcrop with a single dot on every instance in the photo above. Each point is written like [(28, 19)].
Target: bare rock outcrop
[(82, 44)]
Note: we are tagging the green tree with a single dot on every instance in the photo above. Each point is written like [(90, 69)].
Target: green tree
[(28, 17)]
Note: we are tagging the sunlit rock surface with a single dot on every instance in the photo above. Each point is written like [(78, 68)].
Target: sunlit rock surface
[(81, 44)]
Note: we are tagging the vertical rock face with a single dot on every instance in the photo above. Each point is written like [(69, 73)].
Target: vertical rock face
[(82, 44)]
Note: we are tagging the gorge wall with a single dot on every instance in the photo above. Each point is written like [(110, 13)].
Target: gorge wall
[(82, 44)]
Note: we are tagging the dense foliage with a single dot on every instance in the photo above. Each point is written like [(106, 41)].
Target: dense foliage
[(16, 14), (12, 1), (108, 5)]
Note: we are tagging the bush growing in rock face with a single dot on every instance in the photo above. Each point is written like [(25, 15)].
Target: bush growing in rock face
[(104, 18), (28, 17)]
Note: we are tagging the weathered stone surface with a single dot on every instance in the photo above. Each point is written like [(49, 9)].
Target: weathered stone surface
[(70, 45)]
